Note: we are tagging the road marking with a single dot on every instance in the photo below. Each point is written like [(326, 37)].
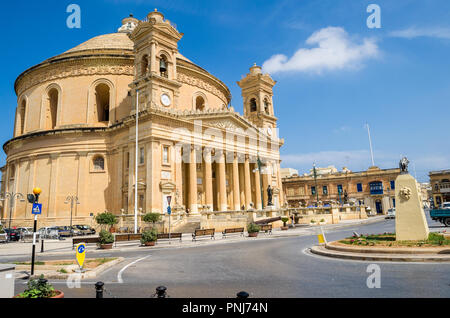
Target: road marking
[(119, 275)]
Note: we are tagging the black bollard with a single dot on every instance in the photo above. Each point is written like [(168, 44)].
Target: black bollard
[(161, 292), (99, 289), (242, 295), (42, 246)]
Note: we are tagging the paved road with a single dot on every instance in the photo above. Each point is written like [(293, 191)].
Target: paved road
[(265, 268)]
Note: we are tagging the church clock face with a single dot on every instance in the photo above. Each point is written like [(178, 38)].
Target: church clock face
[(165, 100)]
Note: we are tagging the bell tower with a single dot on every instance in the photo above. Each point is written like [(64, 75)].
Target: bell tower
[(155, 70), (257, 93)]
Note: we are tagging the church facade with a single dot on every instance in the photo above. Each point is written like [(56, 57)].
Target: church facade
[(75, 132)]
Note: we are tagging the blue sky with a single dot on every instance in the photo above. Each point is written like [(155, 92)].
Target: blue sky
[(334, 74)]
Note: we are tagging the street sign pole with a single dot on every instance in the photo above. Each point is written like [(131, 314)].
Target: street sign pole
[(37, 209)]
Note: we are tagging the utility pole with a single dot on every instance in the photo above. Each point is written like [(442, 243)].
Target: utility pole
[(136, 166), (370, 144)]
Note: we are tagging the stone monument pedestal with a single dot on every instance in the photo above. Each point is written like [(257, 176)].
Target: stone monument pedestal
[(410, 221)]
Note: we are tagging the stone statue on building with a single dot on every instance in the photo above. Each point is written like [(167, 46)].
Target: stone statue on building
[(404, 162), (269, 196)]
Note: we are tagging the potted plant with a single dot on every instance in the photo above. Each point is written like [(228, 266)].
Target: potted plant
[(149, 238), (312, 222), (322, 221), (151, 218), (106, 240), (253, 230), (107, 218), (284, 220), (40, 288)]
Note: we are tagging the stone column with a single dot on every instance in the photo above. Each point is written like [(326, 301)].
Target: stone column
[(208, 179), (265, 182), (248, 193), (236, 192), (242, 183), (193, 183), (222, 184), (178, 174), (258, 202), (83, 175), (131, 168), (53, 186)]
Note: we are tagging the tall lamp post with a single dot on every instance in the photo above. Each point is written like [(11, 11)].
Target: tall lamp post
[(12, 198), (72, 199), (315, 183)]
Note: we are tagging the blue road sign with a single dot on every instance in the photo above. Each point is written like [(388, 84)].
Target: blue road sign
[(37, 209), (169, 210)]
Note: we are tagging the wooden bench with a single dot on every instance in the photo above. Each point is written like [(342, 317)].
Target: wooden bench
[(267, 228), (126, 238), (239, 230), (86, 240), (208, 232), (165, 236)]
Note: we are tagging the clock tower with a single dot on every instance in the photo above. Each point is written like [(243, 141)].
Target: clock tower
[(257, 93), (155, 72)]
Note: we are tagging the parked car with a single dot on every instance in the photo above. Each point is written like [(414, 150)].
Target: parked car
[(390, 214), (86, 229), (76, 231), (49, 233), (13, 235), (25, 230), (64, 231), (3, 235)]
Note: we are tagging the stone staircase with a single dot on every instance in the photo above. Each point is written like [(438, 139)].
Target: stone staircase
[(189, 226)]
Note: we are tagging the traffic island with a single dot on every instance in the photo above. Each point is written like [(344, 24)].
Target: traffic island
[(64, 269), (385, 248)]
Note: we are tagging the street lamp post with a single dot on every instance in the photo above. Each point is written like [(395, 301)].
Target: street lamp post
[(72, 199), (315, 183), (12, 198)]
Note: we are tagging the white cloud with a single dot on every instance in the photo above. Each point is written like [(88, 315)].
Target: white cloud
[(414, 32), (335, 50)]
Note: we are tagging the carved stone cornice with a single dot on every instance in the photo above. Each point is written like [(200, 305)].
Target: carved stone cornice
[(74, 68)]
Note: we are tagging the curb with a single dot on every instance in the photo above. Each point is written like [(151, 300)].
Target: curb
[(399, 250), (323, 251), (88, 274)]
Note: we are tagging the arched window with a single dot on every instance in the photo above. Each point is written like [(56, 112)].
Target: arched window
[(144, 65), (253, 106), (163, 66), (52, 110), (199, 103), (266, 106), (21, 121), (99, 163), (102, 96)]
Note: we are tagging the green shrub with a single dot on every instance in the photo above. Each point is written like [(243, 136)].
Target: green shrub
[(151, 218), (149, 236), (322, 220), (284, 220), (2, 230), (38, 288), (106, 237), (253, 228), (312, 221), (106, 218), (436, 238)]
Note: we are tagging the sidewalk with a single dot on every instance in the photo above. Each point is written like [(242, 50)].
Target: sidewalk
[(55, 247)]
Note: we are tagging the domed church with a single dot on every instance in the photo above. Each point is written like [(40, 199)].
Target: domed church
[(75, 133)]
